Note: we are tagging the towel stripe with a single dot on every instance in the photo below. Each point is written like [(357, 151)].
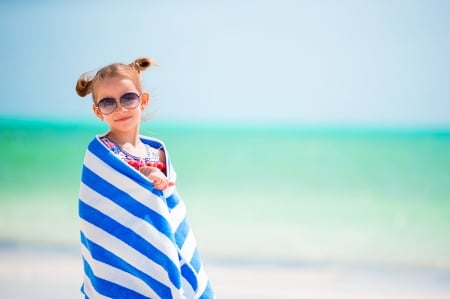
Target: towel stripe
[(109, 288), (87, 288), (117, 267), (121, 215), (126, 252), (123, 233), (172, 201), (126, 201)]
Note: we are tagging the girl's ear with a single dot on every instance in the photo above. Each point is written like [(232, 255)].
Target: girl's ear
[(145, 100), (97, 112)]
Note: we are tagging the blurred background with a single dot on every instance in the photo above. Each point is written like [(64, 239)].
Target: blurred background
[(304, 133)]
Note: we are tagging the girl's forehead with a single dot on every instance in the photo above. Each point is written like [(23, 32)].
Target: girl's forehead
[(111, 82), (113, 85)]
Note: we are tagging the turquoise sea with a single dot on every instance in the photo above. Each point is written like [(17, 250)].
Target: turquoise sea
[(254, 193)]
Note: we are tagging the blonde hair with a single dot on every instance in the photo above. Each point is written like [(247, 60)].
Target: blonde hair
[(86, 83)]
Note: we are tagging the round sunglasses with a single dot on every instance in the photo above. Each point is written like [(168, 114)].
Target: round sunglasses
[(129, 100)]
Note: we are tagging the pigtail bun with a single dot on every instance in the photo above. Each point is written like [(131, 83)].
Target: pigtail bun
[(83, 86), (143, 63)]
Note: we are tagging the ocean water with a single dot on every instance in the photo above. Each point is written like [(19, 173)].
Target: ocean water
[(254, 194)]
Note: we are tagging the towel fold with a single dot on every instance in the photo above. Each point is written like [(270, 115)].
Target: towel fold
[(135, 240)]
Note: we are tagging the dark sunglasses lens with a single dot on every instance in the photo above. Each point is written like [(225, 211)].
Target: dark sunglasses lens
[(107, 105), (129, 100)]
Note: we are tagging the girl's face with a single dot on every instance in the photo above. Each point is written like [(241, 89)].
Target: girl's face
[(119, 91)]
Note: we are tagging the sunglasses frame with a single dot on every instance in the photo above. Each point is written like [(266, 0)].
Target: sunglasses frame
[(119, 102)]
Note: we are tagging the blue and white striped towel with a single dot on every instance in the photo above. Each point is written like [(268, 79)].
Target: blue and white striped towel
[(135, 240)]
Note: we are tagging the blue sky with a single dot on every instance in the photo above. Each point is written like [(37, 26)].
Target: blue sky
[(366, 63)]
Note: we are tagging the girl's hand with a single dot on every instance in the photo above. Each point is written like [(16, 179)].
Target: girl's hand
[(159, 180)]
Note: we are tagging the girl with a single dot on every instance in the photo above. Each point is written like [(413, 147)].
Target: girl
[(136, 242)]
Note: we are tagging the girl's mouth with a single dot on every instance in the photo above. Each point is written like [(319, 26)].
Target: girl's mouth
[(123, 118)]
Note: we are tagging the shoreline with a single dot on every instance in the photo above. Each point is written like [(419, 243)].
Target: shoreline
[(49, 272)]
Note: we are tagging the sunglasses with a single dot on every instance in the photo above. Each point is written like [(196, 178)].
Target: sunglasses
[(129, 100)]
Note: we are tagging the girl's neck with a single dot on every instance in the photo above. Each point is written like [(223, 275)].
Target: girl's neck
[(122, 139)]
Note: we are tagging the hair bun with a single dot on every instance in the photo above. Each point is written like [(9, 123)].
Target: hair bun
[(142, 63), (83, 86)]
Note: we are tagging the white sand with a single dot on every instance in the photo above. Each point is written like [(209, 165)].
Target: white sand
[(43, 273)]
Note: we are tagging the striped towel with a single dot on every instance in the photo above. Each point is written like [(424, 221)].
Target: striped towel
[(135, 240)]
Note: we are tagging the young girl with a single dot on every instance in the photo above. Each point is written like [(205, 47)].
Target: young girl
[(136, 241)]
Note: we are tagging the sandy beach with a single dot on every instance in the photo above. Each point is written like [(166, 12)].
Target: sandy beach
[(55, 273)]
